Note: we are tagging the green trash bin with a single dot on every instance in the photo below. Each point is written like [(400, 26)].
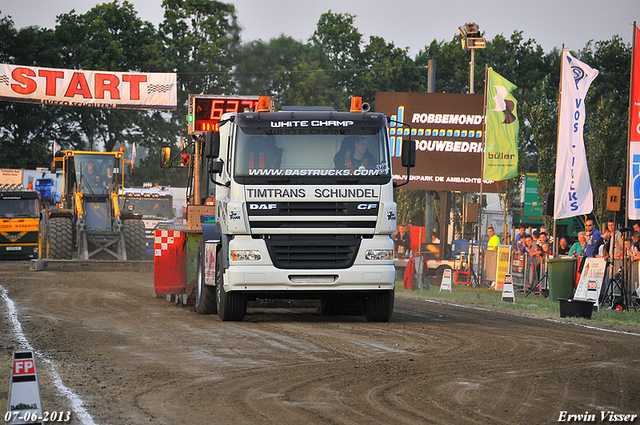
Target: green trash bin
[(562, 277)]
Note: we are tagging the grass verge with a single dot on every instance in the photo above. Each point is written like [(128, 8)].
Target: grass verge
[(533, 306)]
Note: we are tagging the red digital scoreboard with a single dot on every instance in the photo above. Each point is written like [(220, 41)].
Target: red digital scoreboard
[(205, 111)]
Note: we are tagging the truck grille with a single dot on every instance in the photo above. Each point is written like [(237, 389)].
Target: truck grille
[(313, 251), (277, 217), (313, 208)]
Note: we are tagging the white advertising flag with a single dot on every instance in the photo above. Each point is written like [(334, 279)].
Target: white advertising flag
[(573, 195)]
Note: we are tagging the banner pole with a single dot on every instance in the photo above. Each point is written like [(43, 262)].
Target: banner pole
[(555, 245), (555, 203), (484, 146)]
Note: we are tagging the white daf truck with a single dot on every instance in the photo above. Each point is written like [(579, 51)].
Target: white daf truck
[(304, 210)]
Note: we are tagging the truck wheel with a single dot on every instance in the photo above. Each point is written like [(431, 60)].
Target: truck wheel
[(378, 306), (232, 306), (60, 238), (135, 239), (205, 294)]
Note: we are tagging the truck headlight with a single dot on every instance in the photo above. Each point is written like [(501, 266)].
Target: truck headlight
[(378, 254), (246, 255)]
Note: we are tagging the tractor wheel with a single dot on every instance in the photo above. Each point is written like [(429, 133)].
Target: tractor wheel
[(60, 240), (135, 239)]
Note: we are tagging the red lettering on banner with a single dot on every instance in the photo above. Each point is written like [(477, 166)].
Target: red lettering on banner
[(107, 82), (25, 84), (134, 84), (50, 79), (78, 85)]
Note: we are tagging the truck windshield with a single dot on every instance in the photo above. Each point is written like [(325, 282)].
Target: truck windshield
[(17, 207), (94, 172), (326, 152), (149, 207)]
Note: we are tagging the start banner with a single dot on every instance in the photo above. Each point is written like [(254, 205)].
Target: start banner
[(99, 89)]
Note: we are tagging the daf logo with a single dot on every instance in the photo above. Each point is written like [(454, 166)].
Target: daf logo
[(263, 206), (367, 206)]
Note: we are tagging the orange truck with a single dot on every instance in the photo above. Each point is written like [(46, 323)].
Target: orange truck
[(19, 222)]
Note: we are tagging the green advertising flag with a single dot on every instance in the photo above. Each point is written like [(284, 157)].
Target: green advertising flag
[(501, 137)]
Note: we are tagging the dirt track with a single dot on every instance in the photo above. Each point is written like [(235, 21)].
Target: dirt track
[(132, 358)]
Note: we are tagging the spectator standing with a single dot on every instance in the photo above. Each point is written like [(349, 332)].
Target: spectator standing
[(549, 237), (603, 249), (402, 242), (533, 256), (615, 246), (632, 252), (578, 247), (636, 230), (542, 238), (594, 239), (563, 247), (518, 242), (494, 240)]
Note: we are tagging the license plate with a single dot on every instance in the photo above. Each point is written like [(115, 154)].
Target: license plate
[(14, 248)]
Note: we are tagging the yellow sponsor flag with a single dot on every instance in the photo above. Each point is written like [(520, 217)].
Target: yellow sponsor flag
[(501, 137)]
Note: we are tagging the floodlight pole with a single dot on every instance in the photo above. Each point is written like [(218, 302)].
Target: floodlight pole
[(471, 71)]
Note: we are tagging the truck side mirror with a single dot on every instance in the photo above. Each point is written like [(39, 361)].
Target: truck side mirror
[(408, 153), (212, 144), (165, 161), (215, 167)]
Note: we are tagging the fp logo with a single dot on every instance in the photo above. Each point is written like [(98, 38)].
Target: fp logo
[(24, 367)]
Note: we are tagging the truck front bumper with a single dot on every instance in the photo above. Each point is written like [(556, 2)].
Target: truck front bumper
[(265, 278)]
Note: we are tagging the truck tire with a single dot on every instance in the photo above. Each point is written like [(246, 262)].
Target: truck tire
[(205, 294), (232, 306), (378, 306), (135, 239), (60, 238)]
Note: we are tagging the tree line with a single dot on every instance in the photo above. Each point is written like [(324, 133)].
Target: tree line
[(200, 41)]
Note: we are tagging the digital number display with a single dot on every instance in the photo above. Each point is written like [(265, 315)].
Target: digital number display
[(207, 111)]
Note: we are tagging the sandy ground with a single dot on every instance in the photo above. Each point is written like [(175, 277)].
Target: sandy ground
[(132, 358)]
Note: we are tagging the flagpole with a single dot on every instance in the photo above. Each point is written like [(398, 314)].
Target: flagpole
[(484, 147), (555, 245), (633, 50)]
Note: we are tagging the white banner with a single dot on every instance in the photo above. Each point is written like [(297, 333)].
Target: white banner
[(573, 195), (99, 89)]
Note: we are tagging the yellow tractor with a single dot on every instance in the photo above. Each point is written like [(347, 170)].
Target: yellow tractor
[(88, 219)]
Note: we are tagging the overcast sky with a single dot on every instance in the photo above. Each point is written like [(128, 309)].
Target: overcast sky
[(408, 23)]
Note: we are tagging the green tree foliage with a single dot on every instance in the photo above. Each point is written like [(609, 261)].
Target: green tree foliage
[(339, 40), (387, 69), (411, 206), (200, 40)]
